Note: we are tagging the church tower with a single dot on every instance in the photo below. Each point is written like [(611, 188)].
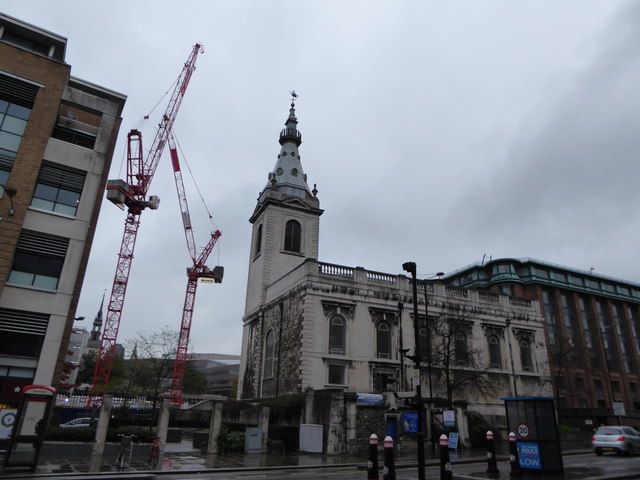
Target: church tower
[(286, 220)]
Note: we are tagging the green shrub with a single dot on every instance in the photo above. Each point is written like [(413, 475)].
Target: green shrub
[(230, 442), (478, 427)]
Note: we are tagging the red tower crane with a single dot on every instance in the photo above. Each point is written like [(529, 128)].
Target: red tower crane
[(194, 273), (132, 194)]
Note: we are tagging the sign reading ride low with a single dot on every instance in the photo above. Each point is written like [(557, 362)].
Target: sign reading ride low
[(529, 455)]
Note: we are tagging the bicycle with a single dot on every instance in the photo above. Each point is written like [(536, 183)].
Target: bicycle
[(154, 455), (126, 447)]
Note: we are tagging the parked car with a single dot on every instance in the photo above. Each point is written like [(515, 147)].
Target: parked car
[(83, 422), (617, 438)]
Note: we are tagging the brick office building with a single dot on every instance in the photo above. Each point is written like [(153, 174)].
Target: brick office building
[(57, 136), (592, 329)]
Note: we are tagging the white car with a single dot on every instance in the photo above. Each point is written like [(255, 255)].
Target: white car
[(616, 438), (83, 422)]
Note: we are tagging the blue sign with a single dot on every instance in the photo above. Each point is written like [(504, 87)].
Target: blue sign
[(529, 455), (453, 441), (410, 422), (369, 399)]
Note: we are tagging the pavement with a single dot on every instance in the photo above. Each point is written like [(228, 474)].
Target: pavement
[(63, 460)]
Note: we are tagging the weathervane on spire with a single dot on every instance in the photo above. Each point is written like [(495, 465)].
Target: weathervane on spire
[(294, 95)]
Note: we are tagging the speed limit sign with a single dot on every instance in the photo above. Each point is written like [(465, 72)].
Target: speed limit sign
[(523, 430)]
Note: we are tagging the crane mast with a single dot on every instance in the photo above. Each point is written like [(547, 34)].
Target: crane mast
[(197, 271), (132, 195)]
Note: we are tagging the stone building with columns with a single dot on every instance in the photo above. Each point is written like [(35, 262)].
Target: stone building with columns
[(342, 334)]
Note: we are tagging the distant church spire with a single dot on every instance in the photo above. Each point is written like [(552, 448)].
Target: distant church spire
[(97, 323)]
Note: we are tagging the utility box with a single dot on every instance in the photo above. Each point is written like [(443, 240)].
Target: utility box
[(310, 438), (533, 420), (253, 440)]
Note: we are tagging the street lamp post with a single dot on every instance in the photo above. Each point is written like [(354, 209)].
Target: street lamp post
[(410, 267), (426, 316)]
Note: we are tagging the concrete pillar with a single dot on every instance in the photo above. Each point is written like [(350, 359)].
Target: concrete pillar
[(263, 424), (352, 416), (97, 449), (308, 407), (214, 427), (163, 428), (336, 433)]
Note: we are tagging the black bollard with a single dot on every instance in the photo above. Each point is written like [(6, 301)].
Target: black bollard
[(389, 469), (372, 464), (513, 455), (445, 464), (492, 464)]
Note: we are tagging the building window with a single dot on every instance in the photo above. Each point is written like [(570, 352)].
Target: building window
[(461, 348), (292, 235), (258, 246), (58, 189), (550, 316), (269, 348), (506, 290), (383, 340), (495, 356), (525, 355), (384, 381), (38, 260), (22, 332), (13, 122), (336, 374), (337, 335), (423, 345)]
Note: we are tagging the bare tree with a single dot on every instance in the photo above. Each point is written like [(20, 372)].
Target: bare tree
[(150, 364), (456, 364)]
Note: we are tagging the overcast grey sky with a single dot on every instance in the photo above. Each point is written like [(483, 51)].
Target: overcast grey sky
[(436, 132)]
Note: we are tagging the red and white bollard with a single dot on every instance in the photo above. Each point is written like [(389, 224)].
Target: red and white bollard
[(492, 464), (389, 469), (513, 455), (445, 464), (372, 464)]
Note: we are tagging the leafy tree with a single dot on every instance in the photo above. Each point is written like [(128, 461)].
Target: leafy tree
[(88, 367)]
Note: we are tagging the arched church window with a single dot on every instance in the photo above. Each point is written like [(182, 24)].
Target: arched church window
[(495, 356), (269, 348), (461, 348), (292, 236), (423, 343), (383, 340), (258, 245), (337, 331), (525, 355)]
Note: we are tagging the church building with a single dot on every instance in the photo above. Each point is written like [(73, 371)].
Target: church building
[(344, 336)]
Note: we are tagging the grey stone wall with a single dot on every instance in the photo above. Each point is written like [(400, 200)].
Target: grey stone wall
[(371, 419), (284, 317)]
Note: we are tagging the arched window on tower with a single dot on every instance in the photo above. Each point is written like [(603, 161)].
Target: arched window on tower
[(495, 356), (258, 245), (383, 340), (269, 348), (337, 335), (292, 234)]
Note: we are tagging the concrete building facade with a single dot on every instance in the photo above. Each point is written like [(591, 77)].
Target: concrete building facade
[(57, 136), (592, 332), (338, 333)]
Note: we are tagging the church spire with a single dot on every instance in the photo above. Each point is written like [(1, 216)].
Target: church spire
[(290, 131), (97, 323), (287, 177)]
